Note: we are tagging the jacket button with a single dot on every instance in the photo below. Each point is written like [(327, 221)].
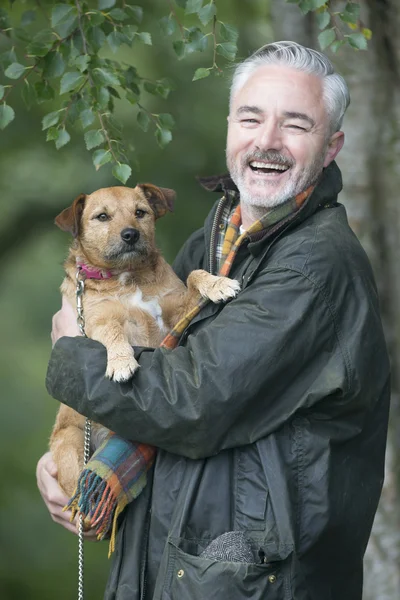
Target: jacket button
[(180, 573), (272, 578)]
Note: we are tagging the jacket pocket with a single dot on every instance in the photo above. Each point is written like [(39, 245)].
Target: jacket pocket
[(192, 577), (251, 490)]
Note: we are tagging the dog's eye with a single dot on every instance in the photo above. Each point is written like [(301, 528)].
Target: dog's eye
[(140, 213), (102, 217)]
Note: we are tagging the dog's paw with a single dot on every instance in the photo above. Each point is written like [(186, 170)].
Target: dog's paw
[(121, 368), (222, 288)]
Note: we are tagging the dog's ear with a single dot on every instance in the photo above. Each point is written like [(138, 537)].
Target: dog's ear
[(70, 218), (160, 199)]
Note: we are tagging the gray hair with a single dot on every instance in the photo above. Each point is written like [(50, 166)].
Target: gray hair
[(291, 54)]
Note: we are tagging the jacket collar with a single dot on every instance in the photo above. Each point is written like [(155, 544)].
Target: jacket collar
[(324, 195)]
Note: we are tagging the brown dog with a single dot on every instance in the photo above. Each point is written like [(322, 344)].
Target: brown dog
[(135, 298)]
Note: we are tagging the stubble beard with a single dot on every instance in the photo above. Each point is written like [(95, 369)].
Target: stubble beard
[(265, 198)]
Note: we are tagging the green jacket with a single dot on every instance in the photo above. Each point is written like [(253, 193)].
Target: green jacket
[(270, 419)]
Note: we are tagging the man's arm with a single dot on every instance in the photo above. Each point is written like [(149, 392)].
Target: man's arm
[(270, 352)]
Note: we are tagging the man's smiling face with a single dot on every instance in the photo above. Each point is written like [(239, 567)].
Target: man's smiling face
[(278, 135)]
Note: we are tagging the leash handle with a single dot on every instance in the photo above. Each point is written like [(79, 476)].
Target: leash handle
[(80, 288)]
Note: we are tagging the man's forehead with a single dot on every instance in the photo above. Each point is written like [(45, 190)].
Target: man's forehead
[(277, 83)]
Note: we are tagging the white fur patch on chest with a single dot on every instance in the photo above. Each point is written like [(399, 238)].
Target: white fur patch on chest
[(152, 306)]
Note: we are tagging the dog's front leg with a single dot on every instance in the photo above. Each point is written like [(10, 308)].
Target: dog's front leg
[(214, 287), (107, 326)]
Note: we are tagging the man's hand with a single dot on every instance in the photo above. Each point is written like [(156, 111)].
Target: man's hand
[(54, 497), (64, 322)]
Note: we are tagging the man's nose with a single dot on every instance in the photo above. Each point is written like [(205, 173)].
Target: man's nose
[(269, 137)]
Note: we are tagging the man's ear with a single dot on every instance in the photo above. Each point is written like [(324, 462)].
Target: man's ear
[(160, 199), (335, 145), (70, 218)]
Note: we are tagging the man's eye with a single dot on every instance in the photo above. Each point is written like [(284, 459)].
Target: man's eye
[(140, 213), (251, 121), (102, 217), (297, 127)]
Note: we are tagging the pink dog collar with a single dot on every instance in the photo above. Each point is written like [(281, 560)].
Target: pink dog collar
[(91, 273)]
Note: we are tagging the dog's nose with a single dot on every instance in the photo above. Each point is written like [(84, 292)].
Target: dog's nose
[(130, 235)]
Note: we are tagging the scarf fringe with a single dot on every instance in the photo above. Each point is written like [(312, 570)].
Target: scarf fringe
[(95, 500)]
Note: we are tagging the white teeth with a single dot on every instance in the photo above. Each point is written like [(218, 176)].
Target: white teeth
[(263, 165)]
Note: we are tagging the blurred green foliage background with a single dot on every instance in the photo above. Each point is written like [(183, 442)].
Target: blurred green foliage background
[(39, 558)]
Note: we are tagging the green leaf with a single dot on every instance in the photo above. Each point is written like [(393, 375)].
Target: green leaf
[(87, 117), (143, 120), (193, 6), (102, 95), (145, 37), (6, 115), (122, 172), (103, 4), (181, 3), (136, 12), (28, 17), (168, 25), (50, 119), (200, 74), (228, 33), (100, 158), (14, 71), (7, 58), (117, 14), (336, 45), (52, 134), (351, 13), (207, 13), (82, 62), (62, 139), (96, 38), (94, 138), (305, 6), (150, 87), (95, 17), (323, 19), (314, 4), (357, 41), (41, 43), (129, 32), (1, 91), (163, 136), (106, 77), (166, 121), (227, 50), (131, 96), (54, 65), (197, 40), (115, 39), (326, 38), (60, 12), (28, 94), (180, 48), (43, 91), (71, 81)]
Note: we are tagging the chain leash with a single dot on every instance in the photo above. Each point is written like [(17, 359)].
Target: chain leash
[(80, 289)]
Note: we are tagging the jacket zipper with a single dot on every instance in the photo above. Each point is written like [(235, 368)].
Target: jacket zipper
[(213, 241)]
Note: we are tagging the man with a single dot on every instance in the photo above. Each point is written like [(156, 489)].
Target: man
[(270, 417)]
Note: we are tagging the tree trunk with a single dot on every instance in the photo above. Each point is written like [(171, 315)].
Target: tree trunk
[(370, 164)]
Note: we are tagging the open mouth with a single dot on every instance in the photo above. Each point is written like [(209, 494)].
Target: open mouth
[(268, 167)]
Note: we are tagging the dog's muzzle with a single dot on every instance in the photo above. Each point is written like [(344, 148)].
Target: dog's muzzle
[(130, 235)]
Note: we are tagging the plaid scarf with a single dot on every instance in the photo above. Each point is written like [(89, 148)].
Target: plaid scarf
[(117, 471)]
